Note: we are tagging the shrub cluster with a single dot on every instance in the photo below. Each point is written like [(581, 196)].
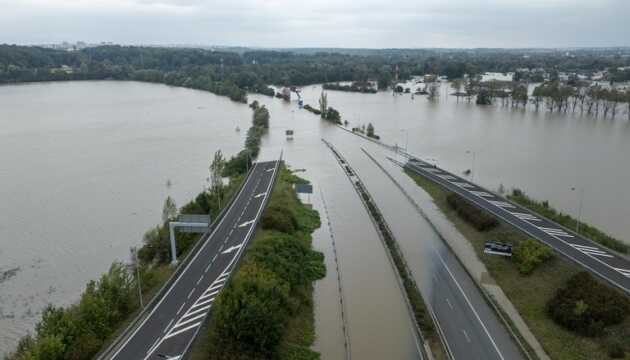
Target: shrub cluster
[(251, 315), (260, 123), (587, 307), (308, 107), (478, 218), (79, 331), (530, 254)]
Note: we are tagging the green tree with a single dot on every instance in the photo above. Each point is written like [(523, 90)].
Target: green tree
[(169, 211), (370, 130), (216, 169), (261, 117), (519, 95), (529, 254), (484, 97), (250, 315), (434, 91), (323, 105)]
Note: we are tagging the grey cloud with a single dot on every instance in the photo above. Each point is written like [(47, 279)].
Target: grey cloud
[(335, 23)]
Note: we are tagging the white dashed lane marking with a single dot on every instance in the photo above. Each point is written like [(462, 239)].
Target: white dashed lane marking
[(246, 223)]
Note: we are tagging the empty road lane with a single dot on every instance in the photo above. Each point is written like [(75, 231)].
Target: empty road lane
[(171, 326), (591, 256)]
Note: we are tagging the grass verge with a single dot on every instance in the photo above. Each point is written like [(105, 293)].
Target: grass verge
[(546, 210), (531, 293)]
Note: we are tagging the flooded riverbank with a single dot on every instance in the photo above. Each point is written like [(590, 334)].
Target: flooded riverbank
[(85, 167)]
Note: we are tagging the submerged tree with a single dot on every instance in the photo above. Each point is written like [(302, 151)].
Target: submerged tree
[(323, 104), (434, 92)]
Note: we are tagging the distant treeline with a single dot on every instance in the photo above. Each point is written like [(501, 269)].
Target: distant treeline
[(233, 74)]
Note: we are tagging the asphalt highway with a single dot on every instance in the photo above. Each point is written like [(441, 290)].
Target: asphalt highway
[(593, 257), (172, 325)]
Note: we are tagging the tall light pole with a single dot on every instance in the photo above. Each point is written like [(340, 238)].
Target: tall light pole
[(134, 251), (472, 171), (580, 203)]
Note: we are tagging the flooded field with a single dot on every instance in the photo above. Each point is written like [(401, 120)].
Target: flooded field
[(85, 167)]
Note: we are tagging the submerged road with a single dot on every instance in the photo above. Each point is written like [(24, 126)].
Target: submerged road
[(593, 257), (171, 326), (468, 324)]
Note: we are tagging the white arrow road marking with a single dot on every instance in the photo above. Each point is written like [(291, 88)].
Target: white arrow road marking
[(259, 195), (246, 223), (230, 249), (270, 170)]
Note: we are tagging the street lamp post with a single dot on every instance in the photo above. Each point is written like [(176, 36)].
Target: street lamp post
[(134, 251), (580, 203)]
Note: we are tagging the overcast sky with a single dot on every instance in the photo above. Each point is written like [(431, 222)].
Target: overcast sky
[(320, 23)]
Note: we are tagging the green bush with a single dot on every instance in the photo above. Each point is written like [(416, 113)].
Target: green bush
[(587, 307), (250, 315), (78, 331), (478, 218), (529, 254), (278, 219)]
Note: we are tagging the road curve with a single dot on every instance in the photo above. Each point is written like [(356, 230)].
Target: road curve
[(173, 323), (593, 257)]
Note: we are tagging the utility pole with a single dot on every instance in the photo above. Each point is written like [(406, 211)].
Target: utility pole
[(580, 203), (134, 251)]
